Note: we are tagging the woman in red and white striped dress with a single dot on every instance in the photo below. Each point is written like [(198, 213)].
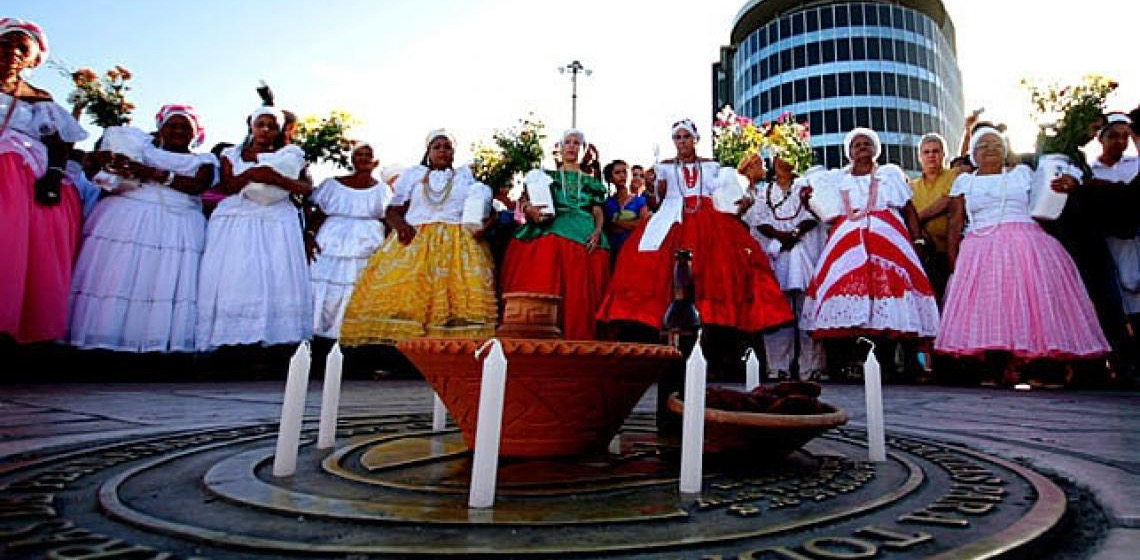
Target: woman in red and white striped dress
[(869, 280)]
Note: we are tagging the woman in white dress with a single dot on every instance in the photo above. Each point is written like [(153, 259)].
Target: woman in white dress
[(135, 286), (788, 231), (351, 231), (254, 283)]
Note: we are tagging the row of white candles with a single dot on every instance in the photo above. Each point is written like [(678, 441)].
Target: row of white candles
[(490, 415)]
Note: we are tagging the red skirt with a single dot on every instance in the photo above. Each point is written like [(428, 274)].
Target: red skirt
[(733, 280), (554, 265)]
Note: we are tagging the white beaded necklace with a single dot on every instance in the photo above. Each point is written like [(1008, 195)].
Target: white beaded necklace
[(437, 197)]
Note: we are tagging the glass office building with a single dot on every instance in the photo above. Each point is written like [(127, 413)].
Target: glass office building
[(887, 65)]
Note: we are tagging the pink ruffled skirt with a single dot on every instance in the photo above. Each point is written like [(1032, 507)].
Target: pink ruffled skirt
[(1017, 290), (36, 255)]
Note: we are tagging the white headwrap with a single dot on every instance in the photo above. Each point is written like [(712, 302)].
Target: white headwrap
[(977, 137), (274, 112), (574, 132), (439, 133), (686, 124), (39, 38), (861, 131), (188, 111), (1111, 119)]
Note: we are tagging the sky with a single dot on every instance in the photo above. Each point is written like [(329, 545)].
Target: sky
[(404, 67)]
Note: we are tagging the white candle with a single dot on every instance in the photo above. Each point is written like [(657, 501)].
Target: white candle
[(489, 422), (873, 388), (693, 421), (751, 371), (438, 413), (292, 409), (330, 398)]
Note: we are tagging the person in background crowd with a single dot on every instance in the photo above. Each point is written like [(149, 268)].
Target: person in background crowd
[(346, 231), (1015, 291), (791, 235), (962, 164), (650, 194), (254, 285), (869, 280), (932, 201), (136, 279), (39, 206), (623, 209), (214, 194), (565, 254), (431, 277), (637, 180)]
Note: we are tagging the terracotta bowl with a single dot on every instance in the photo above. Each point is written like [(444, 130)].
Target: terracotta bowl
[(530, 316), (562, 397), (756, 433)]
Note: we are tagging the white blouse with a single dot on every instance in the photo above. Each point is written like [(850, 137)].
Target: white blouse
[(1123, 172), (894, 192), (995, 199), (30, 121), (675, 186), (434, 201)]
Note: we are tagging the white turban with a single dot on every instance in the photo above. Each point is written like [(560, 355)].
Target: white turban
[(861, 131), (274, 112), (1114, 118), (439, 133), (977, 137), (686, 124), (574, 132)]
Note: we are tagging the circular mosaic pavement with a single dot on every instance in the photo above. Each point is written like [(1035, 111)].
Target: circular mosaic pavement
[(395, 489)]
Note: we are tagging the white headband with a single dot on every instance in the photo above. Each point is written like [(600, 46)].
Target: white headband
[(861, 131), (439, 133), (686, 124), (574, 132), (977, 137), (1114, 118), (274, 112)]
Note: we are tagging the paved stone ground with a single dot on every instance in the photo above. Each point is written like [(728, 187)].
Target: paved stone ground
[(1091, 438)]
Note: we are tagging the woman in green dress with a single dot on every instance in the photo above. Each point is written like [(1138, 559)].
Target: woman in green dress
[(564, 254)]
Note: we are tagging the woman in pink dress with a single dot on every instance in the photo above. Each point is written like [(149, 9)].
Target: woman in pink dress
[(1014, 290), (39, 207)]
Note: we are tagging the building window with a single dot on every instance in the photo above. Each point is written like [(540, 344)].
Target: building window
[(786, 60), (798, 24), (799, 57), (910, 21), (812, 54), (856, 14), (876, 118), (892, 123), (817, 156), (888, 49), (825, 20), (830, 87), (812, 20), (773, 64), (773, 33), (892, 152), (815, 121), (815, 88), (831, 121), (774, 93), (834, 156), (897, 18), (763, 64), (889, 83), (761, 39), (828, 50), (872, 15), (875, 83), (860, 81), (844, 84), (858, 48), (862, 117), (786, 93), (846, 119), (873, 49), (842, 50), (786, 27), (764, 107), (800, 86), (841, 15)]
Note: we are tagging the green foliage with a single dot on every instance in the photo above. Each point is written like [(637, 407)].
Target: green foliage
[(326, 139), (1064, 114), (511, 152)]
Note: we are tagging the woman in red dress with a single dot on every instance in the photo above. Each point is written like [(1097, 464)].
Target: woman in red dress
[(734, 284)]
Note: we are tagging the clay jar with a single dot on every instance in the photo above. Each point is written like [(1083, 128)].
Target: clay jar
[(530, 316)]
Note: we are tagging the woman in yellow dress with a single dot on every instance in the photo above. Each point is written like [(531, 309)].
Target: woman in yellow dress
[(432, 277)]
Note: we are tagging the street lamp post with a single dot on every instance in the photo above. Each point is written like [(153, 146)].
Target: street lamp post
[(574, 68)]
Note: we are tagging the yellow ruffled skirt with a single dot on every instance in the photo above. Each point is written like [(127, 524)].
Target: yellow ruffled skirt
[(442, 284)]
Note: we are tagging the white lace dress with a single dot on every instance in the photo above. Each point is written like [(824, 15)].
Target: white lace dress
[(135, 285), (254, 283), (348, 237)]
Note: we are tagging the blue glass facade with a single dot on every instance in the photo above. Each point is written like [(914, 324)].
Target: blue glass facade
[(838, 65)]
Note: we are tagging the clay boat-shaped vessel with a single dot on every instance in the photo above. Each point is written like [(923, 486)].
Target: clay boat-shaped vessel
[(760, 433), (562, 397)]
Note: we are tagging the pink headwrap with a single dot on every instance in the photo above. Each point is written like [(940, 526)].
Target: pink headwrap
[(187, 111), (39, 39)]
